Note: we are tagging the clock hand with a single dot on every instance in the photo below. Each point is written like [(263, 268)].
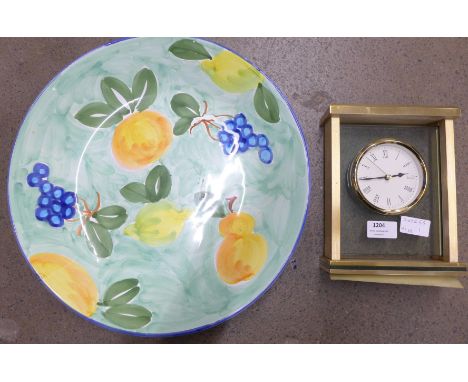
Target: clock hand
[(399, 175), (377, 177)]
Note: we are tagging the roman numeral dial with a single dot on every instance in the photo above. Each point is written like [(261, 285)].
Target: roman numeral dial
[(389, 176)]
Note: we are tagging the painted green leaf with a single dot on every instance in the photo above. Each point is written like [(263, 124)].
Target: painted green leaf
[(185, 106), (99, 239), (121, 292), (111, 217), (144, 89), (189, 50), (266, 105), (182, 126), (117, 94), (158, 183), (135, 192), (220, 211), (216, 208), (128, 316), (98, 114), (199, 196)]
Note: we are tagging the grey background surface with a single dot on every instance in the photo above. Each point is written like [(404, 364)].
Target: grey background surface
[(303, 306)]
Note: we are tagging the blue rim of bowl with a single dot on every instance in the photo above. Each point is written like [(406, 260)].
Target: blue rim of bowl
[(203, 327)]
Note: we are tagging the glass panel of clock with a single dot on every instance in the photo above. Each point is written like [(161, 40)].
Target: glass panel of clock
[(386, 172)]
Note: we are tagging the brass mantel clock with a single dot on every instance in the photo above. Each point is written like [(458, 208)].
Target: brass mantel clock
[(390, 195), (389, 176)]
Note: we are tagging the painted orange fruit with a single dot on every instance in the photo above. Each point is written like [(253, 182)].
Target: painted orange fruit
[(141, 139), (243, 253), (236, 223), (69, 280), (241, 258)]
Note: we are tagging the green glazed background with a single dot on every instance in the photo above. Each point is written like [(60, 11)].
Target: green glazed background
[(179, 283)]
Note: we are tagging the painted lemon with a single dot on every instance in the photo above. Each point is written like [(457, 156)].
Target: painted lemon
[(69, 280), (141, 139), (242, 254), (231, 73), (158, 223)]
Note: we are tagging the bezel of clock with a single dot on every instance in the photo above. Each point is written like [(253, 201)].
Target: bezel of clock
[(354, 185)]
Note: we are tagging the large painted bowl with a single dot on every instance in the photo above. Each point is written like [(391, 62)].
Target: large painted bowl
[(159, 186)]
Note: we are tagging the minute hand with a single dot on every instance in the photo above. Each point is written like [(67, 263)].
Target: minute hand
[(399, 175)]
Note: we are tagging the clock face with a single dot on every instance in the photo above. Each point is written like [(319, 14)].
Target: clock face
[(389, 175)]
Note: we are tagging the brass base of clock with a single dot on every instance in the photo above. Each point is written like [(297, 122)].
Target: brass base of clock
[(437, 281), (430, 272)]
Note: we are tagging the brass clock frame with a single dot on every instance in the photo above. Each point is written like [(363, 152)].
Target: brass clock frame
[(353, 178), (437, 270)]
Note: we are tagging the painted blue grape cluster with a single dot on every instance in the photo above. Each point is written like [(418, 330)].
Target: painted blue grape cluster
[(238, 136), (54, 204)]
